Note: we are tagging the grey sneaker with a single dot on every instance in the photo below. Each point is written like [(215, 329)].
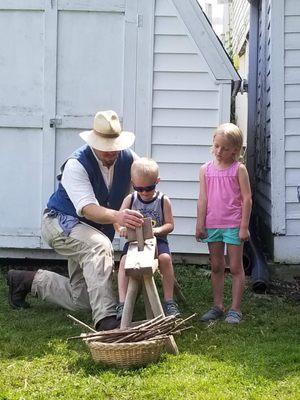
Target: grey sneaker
[(212, 314), (233, 317), (119, 310), (171, 308)]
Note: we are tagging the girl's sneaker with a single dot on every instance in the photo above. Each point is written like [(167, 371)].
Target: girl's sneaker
[(233, 317)]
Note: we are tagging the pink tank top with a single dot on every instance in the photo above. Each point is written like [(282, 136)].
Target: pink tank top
[(224, 200)]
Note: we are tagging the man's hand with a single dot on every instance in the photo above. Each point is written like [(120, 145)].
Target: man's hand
[(123, 232), (130, 218)]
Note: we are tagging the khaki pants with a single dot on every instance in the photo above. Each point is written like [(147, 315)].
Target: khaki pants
[(90, 265)]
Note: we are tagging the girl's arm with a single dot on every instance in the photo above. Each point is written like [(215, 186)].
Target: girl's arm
[(121, 230), (246, 194), (168, 226), (201, 207)]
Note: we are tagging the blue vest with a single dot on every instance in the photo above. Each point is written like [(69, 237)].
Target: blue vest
[(120, 187)]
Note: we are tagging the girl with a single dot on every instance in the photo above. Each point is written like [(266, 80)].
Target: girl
[(223, 214)]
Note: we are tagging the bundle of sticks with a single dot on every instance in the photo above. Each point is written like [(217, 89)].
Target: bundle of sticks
[(154, 329)]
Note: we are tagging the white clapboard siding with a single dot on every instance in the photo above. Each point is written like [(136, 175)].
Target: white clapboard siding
[(292, 58), (181, 135), (292, 126), (180, 189), (292, 92), (293, 210), (292, 109), (188, 243), (179, 172), (181, 154), (168, 25), (292, 23), (185, 117), (292, 74), (183, 99), (164, 8), (179, 62), (184, 208), (240, 24), (292, 143), (292, 133), (293, 227), (172, 43), (292, 41), (169, 80), (292, 7), (292, 176), (291, 194), (187, 107), (292, 159)]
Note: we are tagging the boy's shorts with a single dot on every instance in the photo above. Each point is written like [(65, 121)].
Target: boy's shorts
[(226, 235), (162, 247)]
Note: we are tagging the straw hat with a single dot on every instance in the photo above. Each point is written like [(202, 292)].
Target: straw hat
[(107, 134)]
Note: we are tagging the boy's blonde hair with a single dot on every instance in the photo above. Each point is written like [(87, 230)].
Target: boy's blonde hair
[(233, 134), (144, 167)]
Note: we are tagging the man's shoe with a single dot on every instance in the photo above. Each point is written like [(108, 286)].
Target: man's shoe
[(19, 285), (213, 314), (107, 324), (171, 308)]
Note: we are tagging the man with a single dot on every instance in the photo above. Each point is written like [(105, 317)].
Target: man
[(78, 223)]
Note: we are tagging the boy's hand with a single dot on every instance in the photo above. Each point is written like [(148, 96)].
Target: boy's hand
[(155, 231), (201, 233), (123, 232), (244, 234)]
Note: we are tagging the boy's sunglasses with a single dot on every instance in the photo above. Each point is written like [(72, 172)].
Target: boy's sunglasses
[(145, 188)]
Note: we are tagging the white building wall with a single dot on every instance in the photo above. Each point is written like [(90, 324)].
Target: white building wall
[(186, 110), (239, 21), (153, 74), (277, 166), (262, 189), (292, 116)]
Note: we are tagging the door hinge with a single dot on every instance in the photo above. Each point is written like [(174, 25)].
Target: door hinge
[(54, 122)]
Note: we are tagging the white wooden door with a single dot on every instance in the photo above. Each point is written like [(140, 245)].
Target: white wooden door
[(60, 62)]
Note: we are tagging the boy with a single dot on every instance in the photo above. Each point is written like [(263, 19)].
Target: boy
[(154, 204)]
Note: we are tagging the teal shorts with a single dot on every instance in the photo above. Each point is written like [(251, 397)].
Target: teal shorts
[(226, 235)]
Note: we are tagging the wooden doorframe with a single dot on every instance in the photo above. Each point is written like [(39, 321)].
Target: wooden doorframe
[(144, 77)]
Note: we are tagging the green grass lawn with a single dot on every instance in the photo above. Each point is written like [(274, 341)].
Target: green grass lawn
[(259, 359)]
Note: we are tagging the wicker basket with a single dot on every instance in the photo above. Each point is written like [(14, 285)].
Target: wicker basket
[(126, 355)]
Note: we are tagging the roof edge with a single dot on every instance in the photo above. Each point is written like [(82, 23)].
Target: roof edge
[(206, 39)]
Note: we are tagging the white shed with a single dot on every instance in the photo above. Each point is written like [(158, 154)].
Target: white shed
[(157, 63), (274, 121)]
